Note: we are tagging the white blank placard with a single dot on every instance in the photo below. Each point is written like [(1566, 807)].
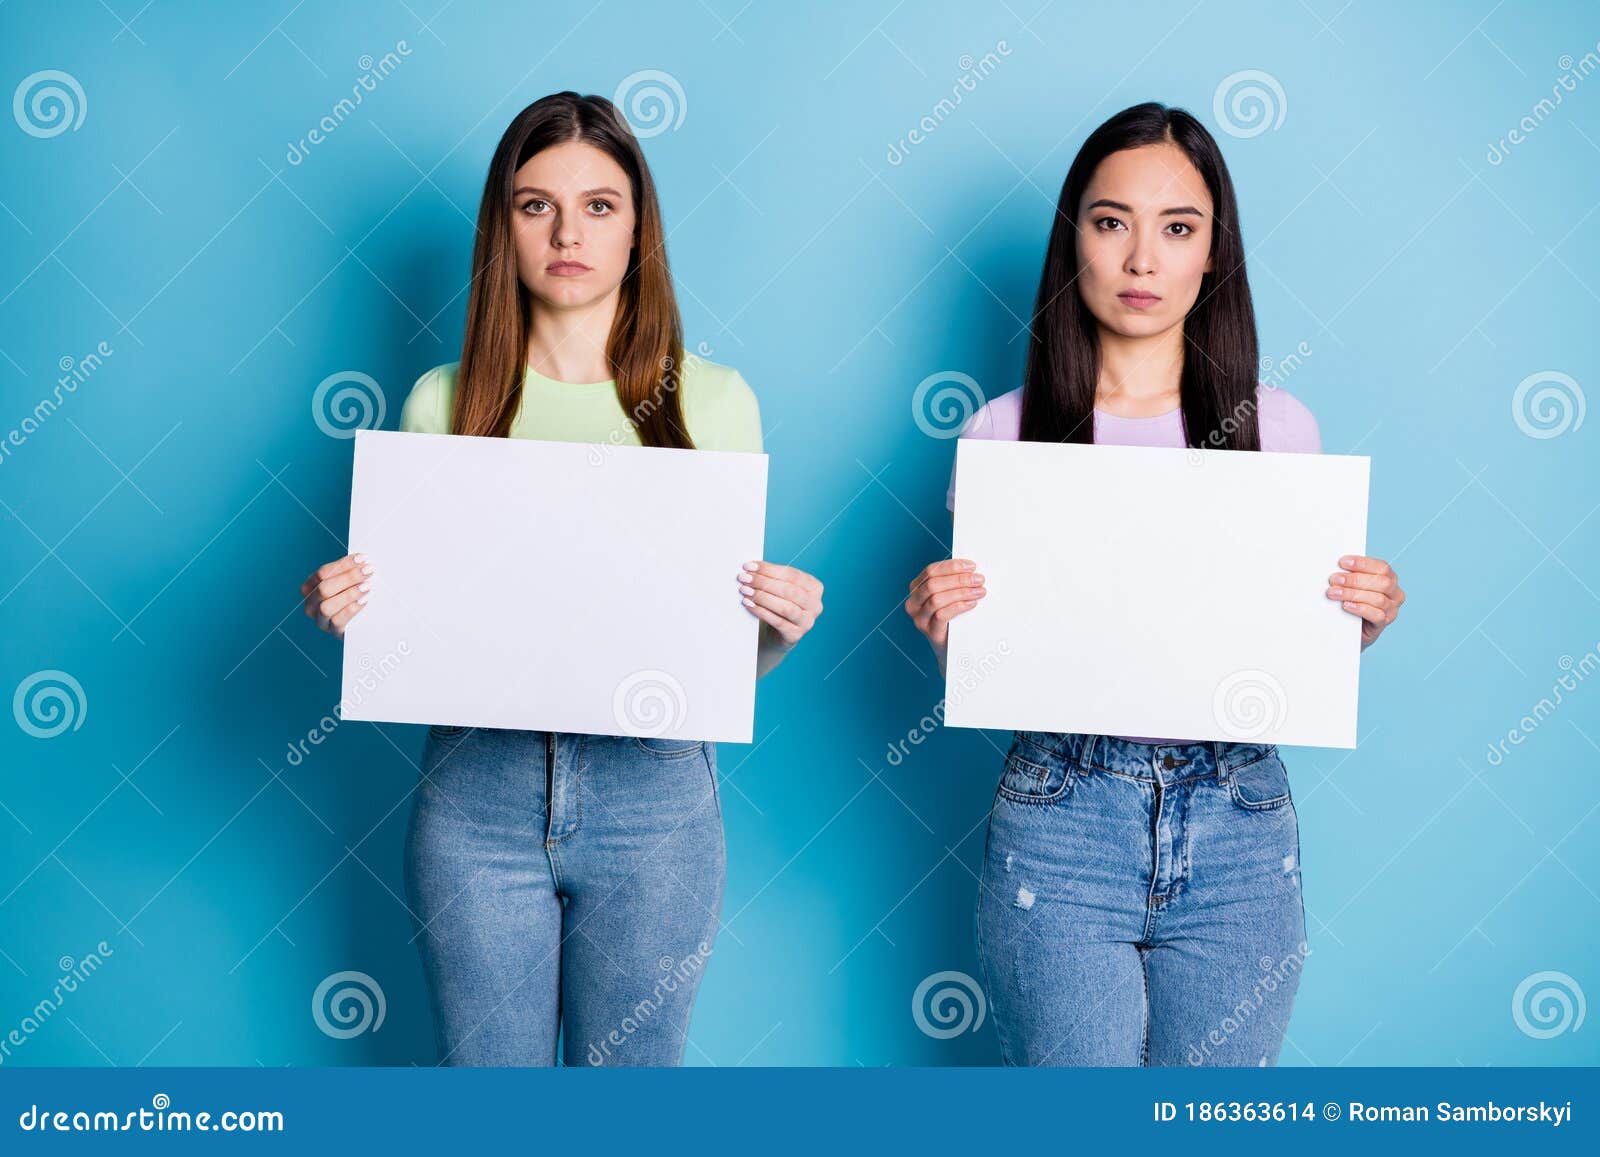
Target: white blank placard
[(554, 586), (1157, 592)]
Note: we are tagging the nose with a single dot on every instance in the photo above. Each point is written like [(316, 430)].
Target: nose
[(567, 232), (1142, 257)]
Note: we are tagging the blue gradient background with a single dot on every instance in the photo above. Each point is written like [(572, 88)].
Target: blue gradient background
[(153, 531)]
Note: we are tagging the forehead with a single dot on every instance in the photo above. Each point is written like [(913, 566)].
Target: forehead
[(572, 167), (1151, 177)]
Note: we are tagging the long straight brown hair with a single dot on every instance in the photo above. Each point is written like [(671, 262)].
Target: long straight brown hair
[(645, 347)]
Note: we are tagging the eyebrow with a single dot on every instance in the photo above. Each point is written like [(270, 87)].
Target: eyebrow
[(1189, 210), (585, 193)]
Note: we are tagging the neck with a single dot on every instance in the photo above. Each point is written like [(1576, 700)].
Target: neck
[(569, 344), (1140, 372)]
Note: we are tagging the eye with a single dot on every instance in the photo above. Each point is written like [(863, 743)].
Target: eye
[(604, 207), (1184, 228), (535, 206), (1108, 224)]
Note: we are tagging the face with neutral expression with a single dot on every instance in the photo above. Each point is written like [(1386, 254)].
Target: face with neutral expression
[(1144, 239), (573, 220)]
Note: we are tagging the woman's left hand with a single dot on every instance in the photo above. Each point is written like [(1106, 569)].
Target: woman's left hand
[(786, 600), (1368, 587)]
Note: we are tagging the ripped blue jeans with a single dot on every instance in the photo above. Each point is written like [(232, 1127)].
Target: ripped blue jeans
[(1140, 903)]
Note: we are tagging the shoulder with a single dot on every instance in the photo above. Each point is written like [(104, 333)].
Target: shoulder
[(999, 418), (428, 406), (714, 384), (719, 406), (1286, 422)]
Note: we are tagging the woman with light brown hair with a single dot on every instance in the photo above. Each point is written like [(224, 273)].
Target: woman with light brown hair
[(568, 886)]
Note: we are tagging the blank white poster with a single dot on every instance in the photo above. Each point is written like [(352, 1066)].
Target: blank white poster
[(554, 586), (1157, 592)]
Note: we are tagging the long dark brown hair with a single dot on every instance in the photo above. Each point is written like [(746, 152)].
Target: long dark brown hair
[(1218, 383), (645, 347)]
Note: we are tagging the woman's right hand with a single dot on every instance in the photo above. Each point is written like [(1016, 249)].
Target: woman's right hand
[(336, 591), (942, 591)]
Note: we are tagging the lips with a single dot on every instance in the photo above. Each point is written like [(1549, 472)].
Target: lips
[(1138, 299), (567, 268)]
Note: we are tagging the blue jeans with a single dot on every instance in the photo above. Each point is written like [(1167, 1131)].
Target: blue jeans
[(568, 888), (1140, 903)]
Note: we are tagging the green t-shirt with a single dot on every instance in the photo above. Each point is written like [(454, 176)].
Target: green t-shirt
[(718, 407)]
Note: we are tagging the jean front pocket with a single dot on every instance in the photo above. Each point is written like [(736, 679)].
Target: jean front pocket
[(670, 748), (1261, 784), (1043, 780)]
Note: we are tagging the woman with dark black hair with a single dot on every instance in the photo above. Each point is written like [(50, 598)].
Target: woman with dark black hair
[(1140, 897)]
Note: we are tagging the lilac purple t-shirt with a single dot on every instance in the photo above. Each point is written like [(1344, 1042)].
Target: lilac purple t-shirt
[(1286, 425)]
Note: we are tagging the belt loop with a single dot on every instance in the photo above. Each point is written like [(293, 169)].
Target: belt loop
[(1086, 751), (1216, 753)]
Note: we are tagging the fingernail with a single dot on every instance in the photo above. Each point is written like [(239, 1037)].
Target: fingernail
[(968, 564), (1347, 560), (749, 602), (749, 590), (361, 558), (1337, 580), (752, 566), (366, 586), (362, 601), (366, 570)]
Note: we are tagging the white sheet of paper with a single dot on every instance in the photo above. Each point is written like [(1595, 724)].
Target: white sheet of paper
[(1157, 592), (554, 586)]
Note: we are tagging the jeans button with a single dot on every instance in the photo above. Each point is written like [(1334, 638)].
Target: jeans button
[(1168, 762)]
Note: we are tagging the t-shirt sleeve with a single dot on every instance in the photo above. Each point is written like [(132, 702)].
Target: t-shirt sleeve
[(1297, 430), (979, 425), (427, 406), (723, 414)]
